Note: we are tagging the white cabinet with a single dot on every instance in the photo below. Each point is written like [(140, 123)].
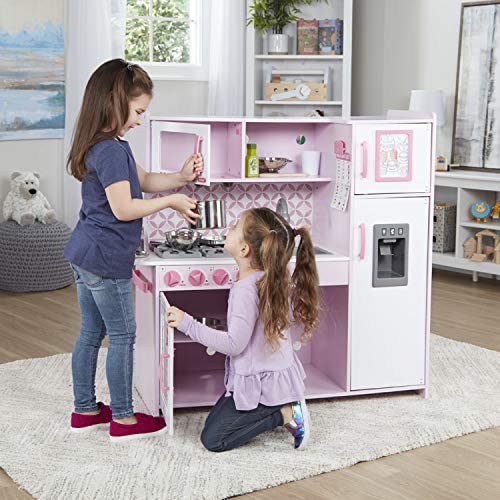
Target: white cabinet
[(388, 323), (392, 159), (173, 142), (166, 366)]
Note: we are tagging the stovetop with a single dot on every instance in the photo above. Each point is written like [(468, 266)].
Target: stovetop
[(164, 251)]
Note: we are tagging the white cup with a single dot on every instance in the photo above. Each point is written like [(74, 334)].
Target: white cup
[(310, 162)]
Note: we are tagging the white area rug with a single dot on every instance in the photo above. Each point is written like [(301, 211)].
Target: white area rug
[(40, 454)]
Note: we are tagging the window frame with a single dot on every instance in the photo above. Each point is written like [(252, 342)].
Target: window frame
[(184, 71)]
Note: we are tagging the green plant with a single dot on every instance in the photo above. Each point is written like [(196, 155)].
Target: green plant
[(274, 15)]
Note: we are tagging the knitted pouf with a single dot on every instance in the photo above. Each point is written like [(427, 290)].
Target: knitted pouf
[(31, 257)]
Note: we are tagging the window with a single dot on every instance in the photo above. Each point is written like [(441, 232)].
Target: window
[(168, 38)]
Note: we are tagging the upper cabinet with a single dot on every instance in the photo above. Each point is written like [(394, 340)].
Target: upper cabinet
[(394, 158)]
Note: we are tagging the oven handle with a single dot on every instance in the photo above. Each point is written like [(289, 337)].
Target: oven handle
[(163, 357), (141, 282)]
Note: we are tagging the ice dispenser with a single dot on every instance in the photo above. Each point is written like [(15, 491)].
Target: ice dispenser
[(390, 254)]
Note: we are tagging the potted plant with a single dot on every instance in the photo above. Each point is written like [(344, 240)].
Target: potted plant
[(271, 16)]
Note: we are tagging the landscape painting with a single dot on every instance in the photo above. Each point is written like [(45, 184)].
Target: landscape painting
[(476, 136), (32, 94)]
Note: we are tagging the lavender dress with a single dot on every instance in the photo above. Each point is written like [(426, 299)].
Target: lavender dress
[(254, 372)]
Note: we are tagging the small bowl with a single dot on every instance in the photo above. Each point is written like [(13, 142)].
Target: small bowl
[(271, 164)]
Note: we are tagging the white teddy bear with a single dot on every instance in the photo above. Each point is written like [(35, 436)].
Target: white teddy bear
[(25, 203)]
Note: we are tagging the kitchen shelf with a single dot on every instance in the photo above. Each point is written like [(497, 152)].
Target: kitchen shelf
[(190, 385), (449, 260), (298, 103), (494, 226), (320, 385), (296, 57), (267, 180)]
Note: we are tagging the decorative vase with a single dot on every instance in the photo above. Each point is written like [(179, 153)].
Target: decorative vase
[(277, 44)]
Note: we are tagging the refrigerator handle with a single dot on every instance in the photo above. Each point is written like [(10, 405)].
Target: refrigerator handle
[(364, 170), (362, 249)]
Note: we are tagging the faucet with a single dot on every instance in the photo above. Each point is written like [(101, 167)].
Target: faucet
[(282, 209)]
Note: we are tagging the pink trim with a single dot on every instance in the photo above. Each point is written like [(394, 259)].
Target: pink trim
[(197, 144), (362, 250), (163, 357), (379, 134), (139, 280), (364, 170)]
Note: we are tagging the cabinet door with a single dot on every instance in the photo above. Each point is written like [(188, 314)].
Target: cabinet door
[(388, 323), (392, 159), (173, 142), (166, 366)]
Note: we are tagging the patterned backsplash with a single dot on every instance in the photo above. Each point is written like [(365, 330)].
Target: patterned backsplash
[(238, 198)]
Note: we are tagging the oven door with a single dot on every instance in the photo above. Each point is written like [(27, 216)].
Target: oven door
[(166, 366)]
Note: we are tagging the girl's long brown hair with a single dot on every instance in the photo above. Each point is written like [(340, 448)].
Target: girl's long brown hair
[(105, 108), (272, 241)]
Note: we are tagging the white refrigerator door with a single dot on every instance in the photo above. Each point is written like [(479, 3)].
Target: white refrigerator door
[(173, 142), (393, 158), (388, 324)]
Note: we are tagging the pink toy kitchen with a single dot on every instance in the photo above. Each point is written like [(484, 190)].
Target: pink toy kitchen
[(369, 211)]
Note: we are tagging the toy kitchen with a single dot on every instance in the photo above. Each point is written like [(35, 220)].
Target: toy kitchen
[(369, 211)]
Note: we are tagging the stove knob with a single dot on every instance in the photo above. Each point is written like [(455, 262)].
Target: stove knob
[(220, 276), (196, 277), (172, 278)]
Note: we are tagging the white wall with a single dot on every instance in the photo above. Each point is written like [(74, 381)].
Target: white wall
[(401, 45), (46, 156)]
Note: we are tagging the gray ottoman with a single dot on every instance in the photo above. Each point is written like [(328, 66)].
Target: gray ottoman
[(31, 257)]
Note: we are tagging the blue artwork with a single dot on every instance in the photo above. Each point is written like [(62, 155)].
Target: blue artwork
[(31, 69)]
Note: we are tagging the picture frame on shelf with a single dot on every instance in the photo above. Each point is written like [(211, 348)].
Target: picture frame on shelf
[(476, 129)]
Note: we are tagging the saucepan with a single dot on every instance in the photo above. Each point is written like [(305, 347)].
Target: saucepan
[(182, 239), (213, 215)]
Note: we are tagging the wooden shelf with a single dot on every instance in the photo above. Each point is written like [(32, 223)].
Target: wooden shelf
[(494, 226), (298, 103), (269, 180), (296, 57)]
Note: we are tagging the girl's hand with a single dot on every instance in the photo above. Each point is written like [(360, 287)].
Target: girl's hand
[(184, 205), (174, 316), (192, 168)]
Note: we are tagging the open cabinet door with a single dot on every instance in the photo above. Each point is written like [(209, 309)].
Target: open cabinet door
[(173, 142), (166, 366)]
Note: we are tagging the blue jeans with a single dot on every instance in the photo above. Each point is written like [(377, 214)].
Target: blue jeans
[(227, 428), (106, 307)]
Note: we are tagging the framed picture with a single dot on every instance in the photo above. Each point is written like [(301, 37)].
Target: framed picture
[(32, 86), (476, 126), (393, 156)]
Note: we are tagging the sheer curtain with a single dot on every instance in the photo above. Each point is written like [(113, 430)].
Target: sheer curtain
[(95, 32), (226, 77)]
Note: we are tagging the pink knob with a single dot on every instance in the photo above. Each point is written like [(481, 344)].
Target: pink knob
[(196, 277), (221, 276), (172, 278)]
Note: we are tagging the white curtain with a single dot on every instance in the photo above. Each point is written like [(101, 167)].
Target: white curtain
[(94, 33), (226, 79)]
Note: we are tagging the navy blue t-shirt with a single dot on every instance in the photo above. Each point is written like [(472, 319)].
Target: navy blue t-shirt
[(100, 243)]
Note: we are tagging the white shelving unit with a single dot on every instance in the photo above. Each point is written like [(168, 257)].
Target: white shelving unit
[(463, 188), (339, 92)]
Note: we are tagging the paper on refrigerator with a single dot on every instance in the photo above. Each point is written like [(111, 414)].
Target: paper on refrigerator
[(342, 177)]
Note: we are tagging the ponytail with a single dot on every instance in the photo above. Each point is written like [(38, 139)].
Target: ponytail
[(272, 242), (273, 288), (305, 286)]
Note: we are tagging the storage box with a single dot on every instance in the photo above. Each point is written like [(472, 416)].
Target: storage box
[(318, 90), (445, 219), (307, 37)]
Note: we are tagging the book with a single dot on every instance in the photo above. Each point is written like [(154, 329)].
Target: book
[(307, 37), (326, 35), (338, 47)]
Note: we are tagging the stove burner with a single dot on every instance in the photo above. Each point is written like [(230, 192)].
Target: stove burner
[(164, 251)]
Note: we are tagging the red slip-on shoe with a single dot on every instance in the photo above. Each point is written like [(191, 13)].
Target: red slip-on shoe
[(146, 426), (84, 423)]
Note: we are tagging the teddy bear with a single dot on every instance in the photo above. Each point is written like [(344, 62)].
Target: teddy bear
[(25, 203)]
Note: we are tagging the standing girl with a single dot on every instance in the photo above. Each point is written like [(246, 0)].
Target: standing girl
[(102, 247), (264, 377)]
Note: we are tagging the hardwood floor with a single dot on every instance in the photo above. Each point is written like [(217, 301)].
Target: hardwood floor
[(42, 324)]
